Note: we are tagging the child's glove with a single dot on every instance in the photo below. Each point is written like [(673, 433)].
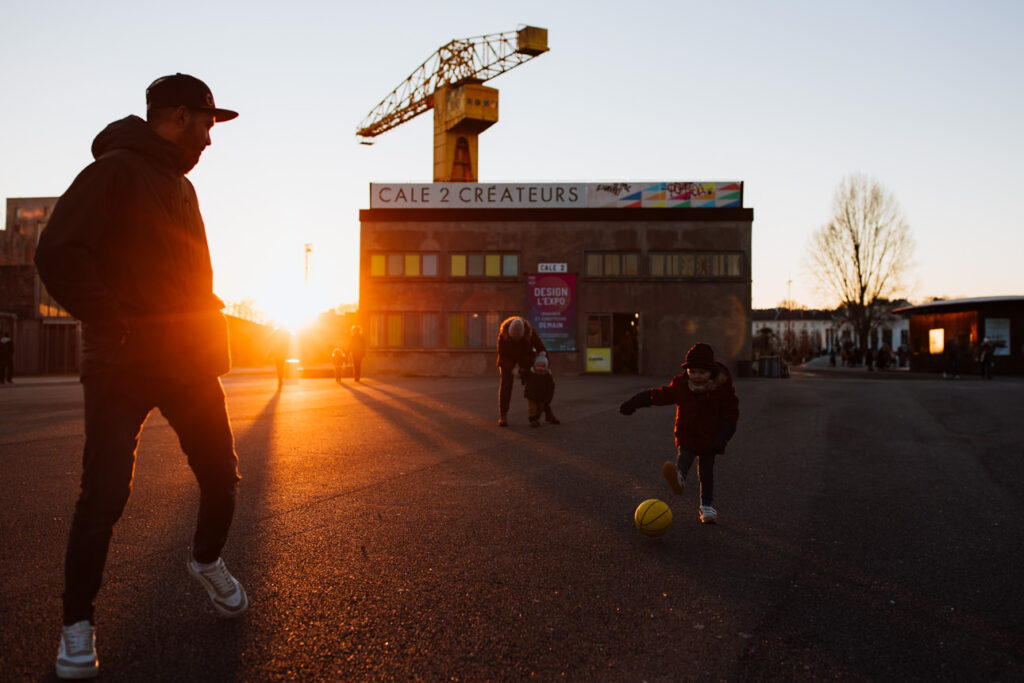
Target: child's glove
[(641, 400), (722, 436)]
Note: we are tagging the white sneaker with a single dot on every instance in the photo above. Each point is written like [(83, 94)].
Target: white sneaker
[(76, 657), (225, 592), (708, 514)]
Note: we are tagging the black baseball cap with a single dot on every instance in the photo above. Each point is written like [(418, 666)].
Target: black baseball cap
[(184, 90)]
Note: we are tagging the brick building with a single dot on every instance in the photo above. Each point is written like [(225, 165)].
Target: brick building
[(617, 277), (46, 338)]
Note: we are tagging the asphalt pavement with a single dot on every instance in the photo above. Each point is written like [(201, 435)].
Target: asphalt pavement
[(869, 530)]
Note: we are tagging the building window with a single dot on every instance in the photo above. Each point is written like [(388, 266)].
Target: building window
[(430, 330), (612, 264), (409, 330), (403, 264), (484, 265), (474, 330), (936, 341), (466, 330), (395, 337), (404, 330), (412, 333), (48, 306), (457, 330), (694, 264), (492, 323)]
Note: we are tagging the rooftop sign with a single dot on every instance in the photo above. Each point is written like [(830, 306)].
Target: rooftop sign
[(642, 195)]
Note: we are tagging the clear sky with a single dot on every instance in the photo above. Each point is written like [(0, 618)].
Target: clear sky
[(789, 97)]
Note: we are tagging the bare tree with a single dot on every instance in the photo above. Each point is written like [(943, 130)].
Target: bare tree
[(862, 254)]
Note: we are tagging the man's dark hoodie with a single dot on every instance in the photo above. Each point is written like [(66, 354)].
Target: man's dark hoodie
[(125, 252)]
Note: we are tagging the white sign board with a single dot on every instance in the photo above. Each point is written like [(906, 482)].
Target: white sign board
[(552, 267), (998, 332), (632, 195)]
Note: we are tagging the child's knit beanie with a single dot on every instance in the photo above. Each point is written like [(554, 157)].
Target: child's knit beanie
[(700, 356)]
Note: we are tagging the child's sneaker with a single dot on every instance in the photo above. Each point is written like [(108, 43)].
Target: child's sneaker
[(708, 514), (534, 422), (225, 592), (675, 480), (550, 417), (76, 656)]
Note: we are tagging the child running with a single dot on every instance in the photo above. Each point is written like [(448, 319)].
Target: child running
[(706, 414)]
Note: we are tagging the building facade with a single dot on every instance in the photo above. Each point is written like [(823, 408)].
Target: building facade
[(46, 338), (808, 333), (947, 335), (619, 277)]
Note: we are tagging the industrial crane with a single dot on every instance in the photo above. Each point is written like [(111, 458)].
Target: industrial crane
[(451, 82)]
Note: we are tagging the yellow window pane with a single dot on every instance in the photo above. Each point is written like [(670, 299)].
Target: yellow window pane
[(458, 265), (657, 265), (412, 265), (377, 322), (936, 340), (734, 265), (456, 330), (685, 265), (492, 267), (703, 265), (394, 329), (378, 265), (594, 262)]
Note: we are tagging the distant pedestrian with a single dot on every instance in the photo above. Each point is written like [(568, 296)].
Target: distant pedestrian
[(518, 345), (125, 252), (884, 357), (6, 358), (356, 350), (280, 349), (540, 390), (986, 358), (952, 360), (706, 414), (338, 361), (869, 359)]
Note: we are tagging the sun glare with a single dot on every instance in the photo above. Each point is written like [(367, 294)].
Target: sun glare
[(296, 309)]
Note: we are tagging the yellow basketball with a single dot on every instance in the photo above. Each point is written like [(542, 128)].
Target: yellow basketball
[(653, 517)]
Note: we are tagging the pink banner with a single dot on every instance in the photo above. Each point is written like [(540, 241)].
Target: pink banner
[(551, 301)]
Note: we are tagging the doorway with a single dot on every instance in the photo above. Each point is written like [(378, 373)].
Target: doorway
[(613, 343)]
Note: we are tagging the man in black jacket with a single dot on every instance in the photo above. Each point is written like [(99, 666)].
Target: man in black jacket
[(125, 252)]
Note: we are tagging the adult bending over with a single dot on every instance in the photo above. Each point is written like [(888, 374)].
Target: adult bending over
[(518, 345)]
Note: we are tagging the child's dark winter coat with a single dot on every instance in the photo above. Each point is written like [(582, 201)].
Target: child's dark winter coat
[(705, 420), (540, 388)]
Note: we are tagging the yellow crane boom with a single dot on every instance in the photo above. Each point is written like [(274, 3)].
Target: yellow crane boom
[(450, 82)]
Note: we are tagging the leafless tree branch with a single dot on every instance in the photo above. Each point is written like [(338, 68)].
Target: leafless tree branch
[(862, 255)]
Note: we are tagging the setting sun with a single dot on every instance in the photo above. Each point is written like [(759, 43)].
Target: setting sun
[(295, 308)]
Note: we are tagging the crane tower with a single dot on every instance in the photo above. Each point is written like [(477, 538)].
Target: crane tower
[(451, 82)]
